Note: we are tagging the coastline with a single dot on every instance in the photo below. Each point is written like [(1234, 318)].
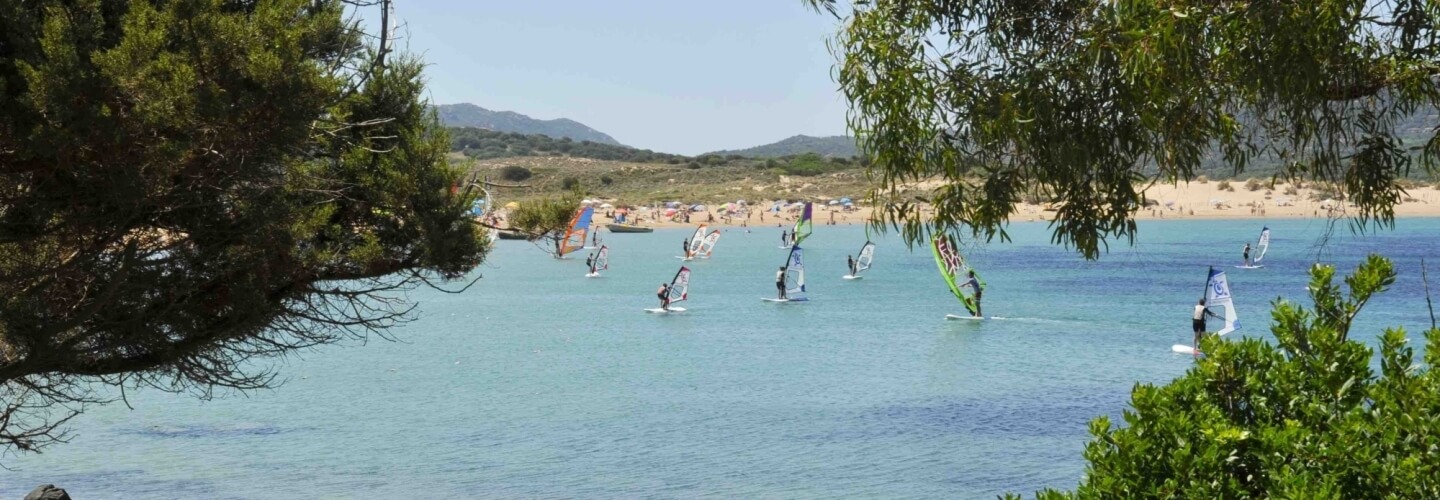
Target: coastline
[(1185, 201)]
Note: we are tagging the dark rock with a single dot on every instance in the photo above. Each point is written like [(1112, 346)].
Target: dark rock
[(48, 492)]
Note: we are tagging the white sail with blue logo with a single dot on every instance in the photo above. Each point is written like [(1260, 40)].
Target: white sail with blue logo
[(1217, 296)]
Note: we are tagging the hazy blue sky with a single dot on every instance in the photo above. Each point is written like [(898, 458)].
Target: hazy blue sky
[(679, 76)]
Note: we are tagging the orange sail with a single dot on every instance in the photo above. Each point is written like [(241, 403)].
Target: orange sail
[(579, 230)]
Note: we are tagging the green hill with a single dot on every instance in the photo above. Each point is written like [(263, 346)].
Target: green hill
[(470, 115), (838, 146), (480, 143)]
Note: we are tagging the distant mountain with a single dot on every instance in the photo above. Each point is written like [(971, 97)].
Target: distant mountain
[(470, 115), (837, 146)]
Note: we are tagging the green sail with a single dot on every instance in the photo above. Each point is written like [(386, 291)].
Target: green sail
[(803, 227), (952, 266)]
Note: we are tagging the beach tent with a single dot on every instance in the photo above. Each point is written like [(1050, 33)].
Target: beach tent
[(672, 204), (606, 206), (845, 200), (833, 202), (669, 212), (697, 208), (587, 202)]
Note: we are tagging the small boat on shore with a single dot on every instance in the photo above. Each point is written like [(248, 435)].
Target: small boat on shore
[(626, 228)]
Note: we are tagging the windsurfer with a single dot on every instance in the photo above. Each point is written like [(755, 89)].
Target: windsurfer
[(780, 282), (850, 263), (1247, 254), (784, 238), (685, 248), (1198, 320), (974, 284), (664, 294), (590, 262)]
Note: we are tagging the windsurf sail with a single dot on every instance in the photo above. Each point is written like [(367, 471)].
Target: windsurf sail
[(482, 204), (602, 259), (952, 267), (680, 285), (1217, 295), (697, 240), (578, 232), (1262, 245), (867, 255), (707, 244), (802, 226), (795, 275)]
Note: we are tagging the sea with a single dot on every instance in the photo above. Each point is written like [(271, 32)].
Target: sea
[(537, 382)]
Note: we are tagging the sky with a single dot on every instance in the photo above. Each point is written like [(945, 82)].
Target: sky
[(676, 76)]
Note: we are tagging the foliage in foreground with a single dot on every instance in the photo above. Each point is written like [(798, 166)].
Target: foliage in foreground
[(1303, 419), (190, 188), (1090, 101), (545, 220)]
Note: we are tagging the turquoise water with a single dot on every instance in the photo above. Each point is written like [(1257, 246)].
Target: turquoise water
[(538, 382)]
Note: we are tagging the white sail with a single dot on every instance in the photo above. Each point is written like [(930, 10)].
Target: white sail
[(867, 255), (602, 259), (680, 285), (697, 240), (1262, 245), (795, 275), (1217, 295), (707, 244)]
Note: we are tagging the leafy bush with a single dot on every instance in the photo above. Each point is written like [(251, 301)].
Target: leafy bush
[(569, 183), (1292, 190), (515, 173), (1307, 418), (606, 180), (692, 165), (1254, 185), (1225, 186), (809, 164), (1202, 180)]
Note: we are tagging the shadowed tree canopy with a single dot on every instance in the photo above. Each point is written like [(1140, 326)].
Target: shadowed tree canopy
[(1089, 101), (190, 187)]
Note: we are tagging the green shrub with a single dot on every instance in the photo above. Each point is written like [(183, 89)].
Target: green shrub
[(1307, 418), (569, 183), (515, 173), (1225, 186), (605, 180), (1254, 185)]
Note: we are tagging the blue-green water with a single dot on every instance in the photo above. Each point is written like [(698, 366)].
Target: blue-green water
[(538, 382)]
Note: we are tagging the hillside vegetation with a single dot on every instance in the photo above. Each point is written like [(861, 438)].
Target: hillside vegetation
[(838, 146), (470, 115)]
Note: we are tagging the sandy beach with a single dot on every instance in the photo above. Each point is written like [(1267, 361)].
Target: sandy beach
[(1184, 201)]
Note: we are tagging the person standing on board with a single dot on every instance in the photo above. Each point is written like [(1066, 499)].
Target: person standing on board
[(590, 262), (850, 263), (780, 282), (784, 238), (1197, 321), (664, 294), (1247, 254), (685, 248), (974, 284)]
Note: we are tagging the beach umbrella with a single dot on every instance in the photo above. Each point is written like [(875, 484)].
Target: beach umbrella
[(741, 202), (669, 212), (833, 202), (587, 202), (848, 204), (845, 200), (606, 206), (672, 204), (512, 205), (697, 208)]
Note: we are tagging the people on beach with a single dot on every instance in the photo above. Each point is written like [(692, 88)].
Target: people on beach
[(664, 294), (974, 284), (780, 283)]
